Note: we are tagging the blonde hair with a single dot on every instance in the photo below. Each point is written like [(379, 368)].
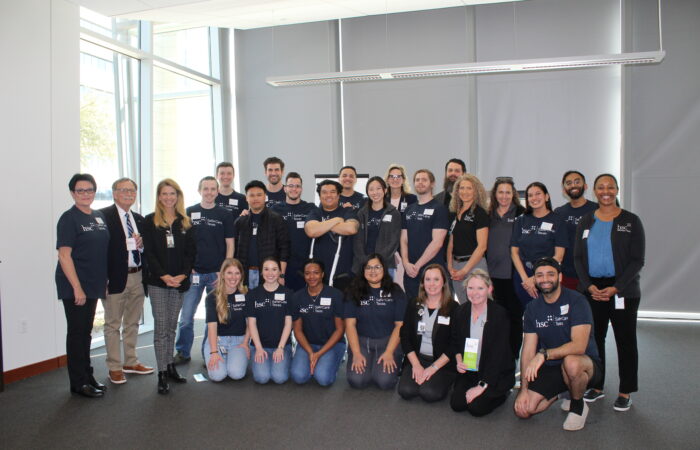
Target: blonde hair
[(220, 290), (483, 276), (406, 186), (159, 214), (480, 197)]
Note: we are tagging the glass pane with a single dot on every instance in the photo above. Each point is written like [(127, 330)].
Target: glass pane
[(123, 30), (183, 146), (189, 48)]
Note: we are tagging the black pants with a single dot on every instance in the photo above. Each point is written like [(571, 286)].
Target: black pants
[(504, 295), (624, 325), (78, 339), (433, 390), (480, 406)]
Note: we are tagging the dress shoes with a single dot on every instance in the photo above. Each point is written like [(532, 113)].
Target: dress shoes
[(163, 387), (138, 369), (97, 385), (88, 391), (173, 375)]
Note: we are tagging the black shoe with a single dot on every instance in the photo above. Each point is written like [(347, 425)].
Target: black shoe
[(97, 385), (163, 387), (88, 391), (173, 375), (622, 403), (179, 358), (592, 395)]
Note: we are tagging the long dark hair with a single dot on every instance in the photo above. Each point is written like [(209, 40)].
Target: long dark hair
[(493, 203), (382, 183), (359, 287), (446, 300), (537, 184)]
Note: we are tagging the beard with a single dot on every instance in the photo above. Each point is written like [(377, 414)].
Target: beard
[(448, 184), (575, 195), (549, 290)]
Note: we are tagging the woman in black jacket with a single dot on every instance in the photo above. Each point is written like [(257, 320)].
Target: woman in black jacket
[(169, 248), (425, 339), (485, 363), (608, 256)]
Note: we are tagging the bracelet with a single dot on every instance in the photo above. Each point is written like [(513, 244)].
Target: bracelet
[(211, 353)]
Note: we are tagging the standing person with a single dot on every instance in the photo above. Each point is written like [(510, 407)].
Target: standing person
[(536, 234), (559, 353), (423, 232), (609, 255), (318, 328), (295, 213), (274, 171), (259, 235), (332, 229), (573, 183), (466, 246), (213, 231), (399, 193), (349, 198), (125, 291), (228, 339), (269, 315), (228, 198), (374, 312), (380, 228), (170, 251), (503, 210), (480, 344), (454, 168), (425, 339), (82, 240)]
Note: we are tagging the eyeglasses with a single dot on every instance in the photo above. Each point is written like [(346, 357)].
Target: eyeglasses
[(395, 177), (84, 191), (372, 268), (576, 182), (126, 190)]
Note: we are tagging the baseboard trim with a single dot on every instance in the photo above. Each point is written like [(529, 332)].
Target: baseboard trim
[(31, 370)]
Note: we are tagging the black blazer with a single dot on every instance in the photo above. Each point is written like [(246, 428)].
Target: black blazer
[(156, 252), (442, 334), (117, 255), (497, 365)]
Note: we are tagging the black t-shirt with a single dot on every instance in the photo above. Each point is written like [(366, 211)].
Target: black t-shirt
[(269, 310), (377, 313), (88, 237), (571, 217), (374, 221), (537, 237), (318, 313), (553, 322), (275, 198), (464, 231), (326, 245), (211, 229), (295, 217), (356, 199), (235, 203), (420, 221), (236, 315)]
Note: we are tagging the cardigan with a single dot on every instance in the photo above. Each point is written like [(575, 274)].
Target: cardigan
[(157, 254), (387, 240), (442, 333)]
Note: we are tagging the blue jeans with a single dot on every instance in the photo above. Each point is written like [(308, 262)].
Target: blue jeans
[(326, 366), (253, 278), (392, 273), (235, 360), (185, 329), (279, 372), (520, 292)]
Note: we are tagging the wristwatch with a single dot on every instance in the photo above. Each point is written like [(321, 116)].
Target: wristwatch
[(282, 276), (482, 384), (543, 351)]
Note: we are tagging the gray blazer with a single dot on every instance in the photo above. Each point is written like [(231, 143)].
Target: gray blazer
[(387, 241)]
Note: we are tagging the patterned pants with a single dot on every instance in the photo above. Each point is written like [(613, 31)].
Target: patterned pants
[(165, 304)]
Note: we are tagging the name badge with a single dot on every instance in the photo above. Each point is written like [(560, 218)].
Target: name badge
[(386, 218), (196, 216), (255, 231), (619, 302), (300, 224), (325, 301), (195, 280), (240, 298), (564, 309), (131, 244), (546, 226), (443, 320), (428, 212), (99, 220), (585, 234), (421, 327), (170, 241), (471, 350), (279, 296), (233, 201), (402, 206)]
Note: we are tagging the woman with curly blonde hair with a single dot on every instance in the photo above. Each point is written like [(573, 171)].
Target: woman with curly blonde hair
[(469, 233)]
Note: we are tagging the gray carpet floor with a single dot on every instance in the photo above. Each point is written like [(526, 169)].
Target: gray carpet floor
[(40, 413)]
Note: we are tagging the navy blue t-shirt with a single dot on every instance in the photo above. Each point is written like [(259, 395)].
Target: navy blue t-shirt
[(553, 322), (377, 313), (356, 199), (269, 310), (295, 217), (571, 217), (374, 221), (537, 237), (326, 245), (318, 313), (211, 228), (275, 198), (236, 315), (420, 221), (88, 237), (234, 203)]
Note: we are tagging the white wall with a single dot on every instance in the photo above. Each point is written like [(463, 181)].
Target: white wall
[(39, 125)]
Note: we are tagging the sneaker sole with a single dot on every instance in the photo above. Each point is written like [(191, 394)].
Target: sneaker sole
[(618, 408), (591, 400), (140, 373), (117, 381)]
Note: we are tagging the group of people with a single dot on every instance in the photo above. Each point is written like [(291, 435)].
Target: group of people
[(402, 283)]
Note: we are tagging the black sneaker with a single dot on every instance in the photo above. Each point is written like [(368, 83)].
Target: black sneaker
[(622, 403), (592, 395), (179, 358)]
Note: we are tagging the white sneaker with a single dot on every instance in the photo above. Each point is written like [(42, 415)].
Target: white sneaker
[(574, 422), (565, 404)]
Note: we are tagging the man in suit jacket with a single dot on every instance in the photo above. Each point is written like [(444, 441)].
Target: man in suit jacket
[(125, 290)]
